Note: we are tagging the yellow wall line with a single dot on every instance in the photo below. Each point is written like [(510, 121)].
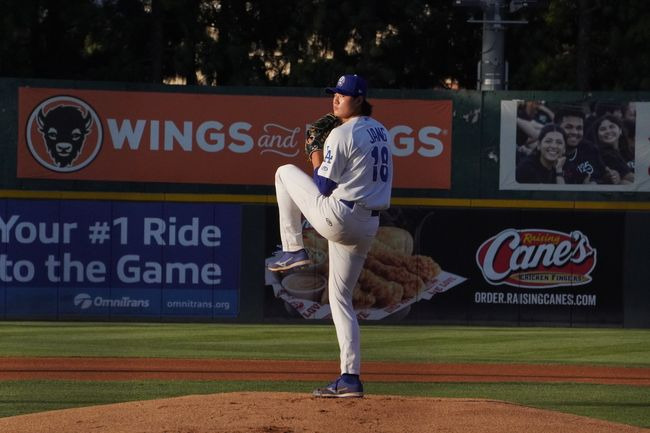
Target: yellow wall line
[(270, 199)]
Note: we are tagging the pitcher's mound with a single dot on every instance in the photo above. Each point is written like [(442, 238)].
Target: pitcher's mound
[(258, 412)]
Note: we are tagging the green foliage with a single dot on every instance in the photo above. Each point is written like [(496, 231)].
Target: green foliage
[(569, 45), (582, 45)]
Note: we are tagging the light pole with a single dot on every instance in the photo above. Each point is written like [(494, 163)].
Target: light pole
[(493, 67)]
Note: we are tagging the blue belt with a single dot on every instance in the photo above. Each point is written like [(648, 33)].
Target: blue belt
[(350, 204)]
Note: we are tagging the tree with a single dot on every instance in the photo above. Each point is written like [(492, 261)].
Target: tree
[(570, 45), (45, 38), (583, 45)]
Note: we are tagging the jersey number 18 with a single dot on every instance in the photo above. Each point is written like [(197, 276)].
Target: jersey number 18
[(380, 167)]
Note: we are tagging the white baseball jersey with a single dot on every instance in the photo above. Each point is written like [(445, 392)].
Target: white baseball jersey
[(357, 157)]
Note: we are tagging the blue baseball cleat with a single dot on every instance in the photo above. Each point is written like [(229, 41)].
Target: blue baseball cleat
[(341, 388), (289, 260)]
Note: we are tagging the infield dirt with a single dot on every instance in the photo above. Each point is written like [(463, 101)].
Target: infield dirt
[(294, 413), (221, 369), (254, 412)]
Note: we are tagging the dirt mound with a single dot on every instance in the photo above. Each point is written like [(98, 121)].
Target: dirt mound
[(256, 412)]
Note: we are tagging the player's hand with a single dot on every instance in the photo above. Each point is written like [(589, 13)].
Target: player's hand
[(318, 132)]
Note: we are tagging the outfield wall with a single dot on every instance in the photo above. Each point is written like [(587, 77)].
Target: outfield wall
[(167, 212)]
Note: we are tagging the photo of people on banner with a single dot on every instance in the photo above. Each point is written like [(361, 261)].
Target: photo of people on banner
[(596, 145)]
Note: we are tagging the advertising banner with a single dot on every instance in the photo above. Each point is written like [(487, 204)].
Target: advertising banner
[(576, 146), (72, 134), (392, 279), (66, 259), (475, 266)]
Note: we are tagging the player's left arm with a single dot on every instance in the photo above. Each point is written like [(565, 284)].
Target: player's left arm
[(325, 185), (325, 164)]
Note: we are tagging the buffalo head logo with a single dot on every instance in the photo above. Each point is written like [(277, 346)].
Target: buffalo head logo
[(64, 134), (64, 129)]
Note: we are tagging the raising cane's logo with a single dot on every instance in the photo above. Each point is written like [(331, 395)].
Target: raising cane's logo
[(64, 134), (536, 258)]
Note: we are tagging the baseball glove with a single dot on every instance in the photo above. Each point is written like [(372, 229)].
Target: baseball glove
[(318, 132)]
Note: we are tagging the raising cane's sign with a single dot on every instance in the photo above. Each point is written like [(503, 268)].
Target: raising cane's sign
[(74, 134), (537, 258)]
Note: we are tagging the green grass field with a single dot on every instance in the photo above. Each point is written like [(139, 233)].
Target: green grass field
[(589, 346)]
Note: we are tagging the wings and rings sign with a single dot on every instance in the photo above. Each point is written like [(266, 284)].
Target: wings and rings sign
[(76, 134)]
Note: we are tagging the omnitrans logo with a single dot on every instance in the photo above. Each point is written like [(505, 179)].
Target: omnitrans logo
[(537, 259), (64, 134), (85, 301)]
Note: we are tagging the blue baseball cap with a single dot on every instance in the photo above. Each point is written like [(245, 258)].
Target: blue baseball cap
[(349, 85)]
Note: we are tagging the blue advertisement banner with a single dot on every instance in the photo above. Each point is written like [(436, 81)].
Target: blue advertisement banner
[(104, 259)]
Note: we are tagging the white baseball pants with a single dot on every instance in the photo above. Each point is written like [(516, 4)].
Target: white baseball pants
[(349, 233)]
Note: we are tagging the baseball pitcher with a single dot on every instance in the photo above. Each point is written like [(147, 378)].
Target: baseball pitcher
[(352, 180)]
